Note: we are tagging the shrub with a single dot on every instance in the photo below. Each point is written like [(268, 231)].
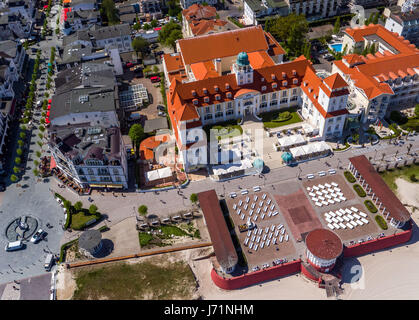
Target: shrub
[(19, 151), (381, 222), (359, 190), (193, 198), (13, 178), (413, 178), (142, 210), (20, 143), (18, 160), (370, 206), (64, 248), (78, 205), (16, 170), (349, 177), (38, 154), (92, 209), (22, 135)]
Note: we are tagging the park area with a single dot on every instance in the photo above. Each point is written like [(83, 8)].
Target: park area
[(159, 279), (408, 173), (279, 118), (225, 129)]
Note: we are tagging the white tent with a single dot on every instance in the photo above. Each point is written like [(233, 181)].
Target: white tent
[(293, 140), (159, 174)]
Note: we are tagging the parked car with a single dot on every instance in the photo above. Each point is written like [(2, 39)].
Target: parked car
[(154, 46), (162, 114), (155, 79), (160, 107), (159, 53), (37, 236)]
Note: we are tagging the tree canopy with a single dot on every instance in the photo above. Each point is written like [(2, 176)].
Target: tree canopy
[(142, 210), (109, 12), (290, 32), (136, 133), (169, 33), (174, 8), (139, 44)]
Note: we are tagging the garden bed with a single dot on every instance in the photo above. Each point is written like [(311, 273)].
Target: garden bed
[(278, 118), (381, 222), (359, 190), (370, 206), (349, 176)]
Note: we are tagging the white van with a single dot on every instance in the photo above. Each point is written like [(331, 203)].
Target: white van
[(15, 245), (49, 261)]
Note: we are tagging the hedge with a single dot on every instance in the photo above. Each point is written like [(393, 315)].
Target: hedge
[(359, 190), (349, 176), (343, 18), (104, 228), (381, 222), (370, 206), (64, 248)]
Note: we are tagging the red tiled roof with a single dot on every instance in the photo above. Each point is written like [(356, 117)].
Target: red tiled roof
[(220, 236), (225, 44), (173, 62), (380, 188), (202, 27), (203, 70), (260, 59), (198, 11), (335, 81), (324, 244), (148, 146)]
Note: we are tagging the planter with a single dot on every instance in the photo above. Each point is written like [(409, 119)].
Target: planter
[(349, 177), (370, 206), (381, 222), (359, 190)]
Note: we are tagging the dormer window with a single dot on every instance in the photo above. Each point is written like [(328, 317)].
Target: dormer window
[(206, 99), (217, 97), (294, 72), (262, 80), (315, 96), (284, 75), (263, 88), (193, 93), (216, 88), (274, 85), (195, 102), (305, 83), (229, 95), (295, 81), (273, 76), (310, 89), (284, 83), (227, 86), (205, 91)]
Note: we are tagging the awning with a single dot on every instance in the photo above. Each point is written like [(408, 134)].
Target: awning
[(118, 186), (98, 185), (52, 164)]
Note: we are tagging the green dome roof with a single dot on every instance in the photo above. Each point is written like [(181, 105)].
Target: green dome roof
[(287, 157), (242, 59)]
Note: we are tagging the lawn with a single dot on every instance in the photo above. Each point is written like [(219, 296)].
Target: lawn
[(406, 172), (79, 219), (227, 129), (146, 280), (276, 118), (167, 231)]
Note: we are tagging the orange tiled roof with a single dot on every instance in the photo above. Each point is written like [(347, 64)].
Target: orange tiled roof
[(198, 11), (335, 81), (148, 146), (203, 70), (173, 62), (224, 44), (260, 59), (202, 27)]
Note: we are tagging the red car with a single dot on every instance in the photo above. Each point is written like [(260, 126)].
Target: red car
[(155, 79), (129, 64)]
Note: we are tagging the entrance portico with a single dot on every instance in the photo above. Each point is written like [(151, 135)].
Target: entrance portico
[(247, 101)]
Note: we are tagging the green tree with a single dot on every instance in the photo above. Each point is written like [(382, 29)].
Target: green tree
[(136, 26), (36, 162), (16, 170), (39, 143), (13, 178), (41, 128), (18, 160), (147, 26), (169, 33), (147, 70), (35, 172), (142, 210), (154, 23), (67, 205), (108, 12), (336, 28), (38, 154), (92, 209), (20, 143), (376, 18), (78, 206), (19, 151), (193, 198), (174, 8), (156, 69), (290, 32), (136, 133), (139, 44)]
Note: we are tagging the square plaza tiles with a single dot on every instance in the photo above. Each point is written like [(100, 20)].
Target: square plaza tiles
[(269, 238)]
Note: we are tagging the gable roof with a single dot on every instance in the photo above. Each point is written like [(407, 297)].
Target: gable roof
[(225, 44)]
